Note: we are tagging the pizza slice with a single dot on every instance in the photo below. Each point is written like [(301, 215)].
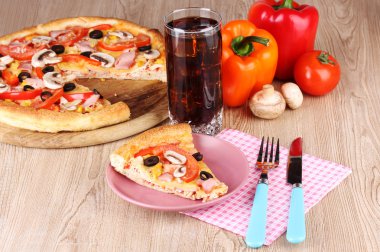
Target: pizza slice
[(166, 160)]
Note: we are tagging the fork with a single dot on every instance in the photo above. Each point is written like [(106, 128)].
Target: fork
[(255, 236)]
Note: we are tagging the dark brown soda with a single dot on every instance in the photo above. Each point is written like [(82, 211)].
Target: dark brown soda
[(193, 70)]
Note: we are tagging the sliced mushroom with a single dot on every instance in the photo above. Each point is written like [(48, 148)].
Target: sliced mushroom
[(53, 80), (3, 87), (105, 59), (45, 56), (174, 157), (41, 40), (123, 35), (179, 172), (152, 54), (4, 61)]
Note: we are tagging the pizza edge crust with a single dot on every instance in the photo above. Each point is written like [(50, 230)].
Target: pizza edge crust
[(44, 120)]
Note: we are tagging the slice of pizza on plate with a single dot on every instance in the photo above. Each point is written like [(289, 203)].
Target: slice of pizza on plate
[(166, 160)]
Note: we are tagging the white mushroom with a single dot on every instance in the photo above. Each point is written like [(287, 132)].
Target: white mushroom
[(45, 56), (4, 87), (4, 61), (179, 172), (292, 94), (174, 157), (152, 54), (41, 40), (53, 80), (105, 59), (267, 103), (123, 35)]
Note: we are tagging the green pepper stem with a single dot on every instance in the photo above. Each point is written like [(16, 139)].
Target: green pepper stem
[(324, 58), (286, 4), (243, 46)]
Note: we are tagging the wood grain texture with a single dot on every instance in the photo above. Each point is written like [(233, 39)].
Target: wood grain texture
[(146, 99), (58, 200)]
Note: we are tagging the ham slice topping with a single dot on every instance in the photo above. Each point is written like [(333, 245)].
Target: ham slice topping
[(25, 66), (84, 46), (165, 177), (209, 184), (125, 60)]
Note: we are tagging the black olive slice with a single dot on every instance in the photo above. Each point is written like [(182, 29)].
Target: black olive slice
[(69, 87), (151, 161), (48, 69), (96, 34), (145, 48), (205, 175), (27, 88), (45, 95), (23, 75), (86, 54), (58, 49), (198, 156)]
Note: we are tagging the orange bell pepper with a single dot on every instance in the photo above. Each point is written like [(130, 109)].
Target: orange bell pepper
[(249, 61)]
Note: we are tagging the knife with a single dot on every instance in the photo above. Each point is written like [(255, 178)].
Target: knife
[(296, 232)]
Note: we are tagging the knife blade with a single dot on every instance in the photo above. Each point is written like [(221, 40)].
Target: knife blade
[(296, 231)]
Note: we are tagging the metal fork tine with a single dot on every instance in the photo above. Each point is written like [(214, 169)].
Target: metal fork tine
[(277, 158), (266, 151), (271, 151), (260, 156)]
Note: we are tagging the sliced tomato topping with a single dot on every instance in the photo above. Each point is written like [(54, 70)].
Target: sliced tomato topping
[(78, 96), (21, 95), (48, 103), (4, 50), (144, 152), (10, 78), (39, 72), (102, 27), (142, 40), (192, 167), (78, 57), (70, 36), (118, 46)]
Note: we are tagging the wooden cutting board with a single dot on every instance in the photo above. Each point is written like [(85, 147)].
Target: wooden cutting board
[(146, 99)]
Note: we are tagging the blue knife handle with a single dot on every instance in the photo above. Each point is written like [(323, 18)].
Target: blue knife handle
[(255, 236), (296, 224)]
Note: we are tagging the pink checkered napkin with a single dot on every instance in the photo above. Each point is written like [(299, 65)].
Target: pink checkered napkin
[(319, 177)]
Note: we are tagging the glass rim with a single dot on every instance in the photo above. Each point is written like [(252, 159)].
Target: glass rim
[(219, 21)]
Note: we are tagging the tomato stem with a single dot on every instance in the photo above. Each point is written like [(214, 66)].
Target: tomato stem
[(324, 58), (243, 46)]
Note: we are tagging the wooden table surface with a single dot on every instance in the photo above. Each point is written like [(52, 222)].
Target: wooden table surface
[(59, 199)]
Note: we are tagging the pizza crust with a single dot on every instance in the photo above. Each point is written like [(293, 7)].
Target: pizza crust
[(44, 120)]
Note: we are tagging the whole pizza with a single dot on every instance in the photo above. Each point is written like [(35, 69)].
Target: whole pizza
[(39, 66)]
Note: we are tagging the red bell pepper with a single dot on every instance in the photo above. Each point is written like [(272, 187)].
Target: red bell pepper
[(293, 26)]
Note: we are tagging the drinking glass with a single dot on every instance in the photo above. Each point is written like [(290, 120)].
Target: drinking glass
[(193, 58)]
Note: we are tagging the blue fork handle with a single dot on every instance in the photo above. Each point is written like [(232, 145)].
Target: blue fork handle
[(255, 236), (296, 224)]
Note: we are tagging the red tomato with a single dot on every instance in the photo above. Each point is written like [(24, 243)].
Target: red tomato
[(118, 46), (4, 50), (317, 72), (142, 40), (39, 72), (78, 96), (78, 58), (21, 95), (20, 49), (10, 78), (48, 103), (192, 167), (71, 36), (102, 27)]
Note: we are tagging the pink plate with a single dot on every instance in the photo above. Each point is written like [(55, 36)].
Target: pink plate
[(227, 162)]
